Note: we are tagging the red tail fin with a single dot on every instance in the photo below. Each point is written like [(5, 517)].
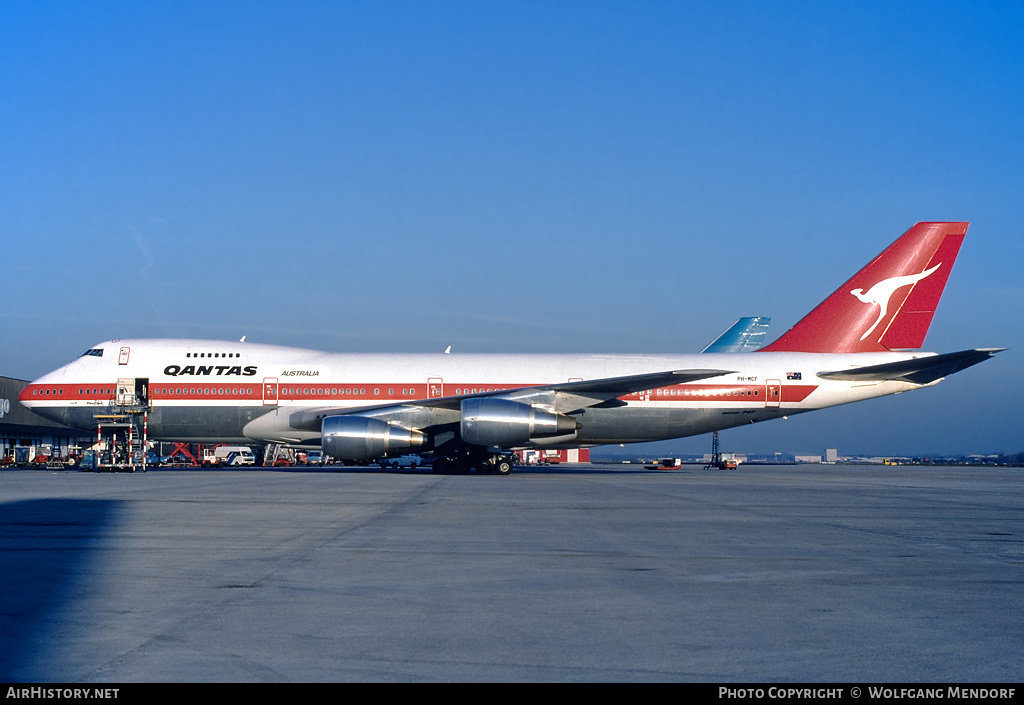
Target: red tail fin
[(889, 304)]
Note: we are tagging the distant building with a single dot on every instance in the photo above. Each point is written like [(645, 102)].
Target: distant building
[(21, 427), (808, 458), (566, 455), (831, 455)]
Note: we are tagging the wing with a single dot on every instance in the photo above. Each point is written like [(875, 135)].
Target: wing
[(565, 397)]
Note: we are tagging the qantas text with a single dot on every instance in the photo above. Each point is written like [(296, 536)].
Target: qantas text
[(177, 370)]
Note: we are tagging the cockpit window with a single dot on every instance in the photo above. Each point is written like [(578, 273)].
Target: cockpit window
[(95, 352)]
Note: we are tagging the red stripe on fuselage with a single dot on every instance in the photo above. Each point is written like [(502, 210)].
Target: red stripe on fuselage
[(387, 392)]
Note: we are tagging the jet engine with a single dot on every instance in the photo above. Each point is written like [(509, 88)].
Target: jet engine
[(365, 438), (506, 424)]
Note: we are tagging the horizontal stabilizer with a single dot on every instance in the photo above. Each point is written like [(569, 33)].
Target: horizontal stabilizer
[(921, 370)]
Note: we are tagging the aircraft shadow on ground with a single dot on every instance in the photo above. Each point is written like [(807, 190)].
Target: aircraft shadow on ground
[(46, 553)]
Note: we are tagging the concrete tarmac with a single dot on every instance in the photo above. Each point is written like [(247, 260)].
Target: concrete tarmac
[(570, 573)]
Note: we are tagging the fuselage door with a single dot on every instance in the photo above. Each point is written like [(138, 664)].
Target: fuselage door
[(270, 391), (122, 358), (435, 388), (125, 391), (772, 392)]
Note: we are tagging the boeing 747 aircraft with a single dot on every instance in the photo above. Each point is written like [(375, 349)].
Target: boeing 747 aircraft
[(469, 411)]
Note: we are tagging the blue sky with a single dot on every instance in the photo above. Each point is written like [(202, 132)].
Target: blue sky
[(567, 176)]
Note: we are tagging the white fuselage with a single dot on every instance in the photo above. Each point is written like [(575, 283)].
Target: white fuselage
[(214, 391)]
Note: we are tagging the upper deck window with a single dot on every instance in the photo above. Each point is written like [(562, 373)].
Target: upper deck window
[(95, 352)]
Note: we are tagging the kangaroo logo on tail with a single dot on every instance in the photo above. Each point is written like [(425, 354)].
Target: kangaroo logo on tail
[(881, 292), (895, 284)]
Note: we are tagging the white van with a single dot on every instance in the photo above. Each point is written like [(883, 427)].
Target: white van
[(228, 456)]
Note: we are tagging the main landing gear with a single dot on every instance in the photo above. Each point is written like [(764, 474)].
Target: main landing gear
[(483, 464)]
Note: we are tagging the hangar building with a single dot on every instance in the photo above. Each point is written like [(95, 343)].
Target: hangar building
[(20, 427)]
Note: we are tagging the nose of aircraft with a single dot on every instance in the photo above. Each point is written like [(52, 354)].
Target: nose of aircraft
[(43, 395)]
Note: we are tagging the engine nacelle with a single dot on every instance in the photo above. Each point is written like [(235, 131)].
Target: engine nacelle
[(506, 424), (365, 438)]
